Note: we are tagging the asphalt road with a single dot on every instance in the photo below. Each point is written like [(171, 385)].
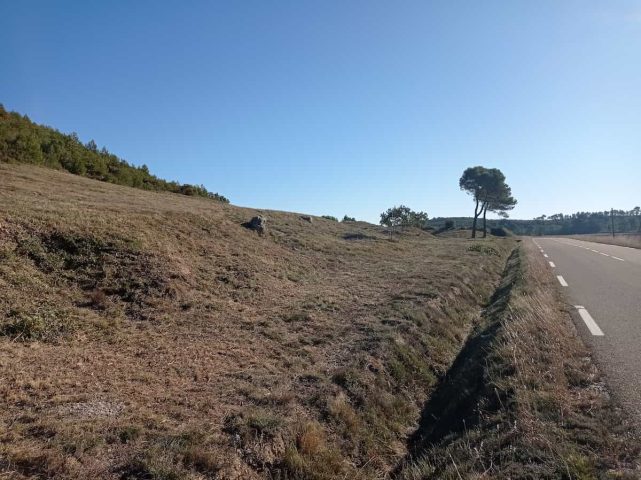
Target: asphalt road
[(605, 280)]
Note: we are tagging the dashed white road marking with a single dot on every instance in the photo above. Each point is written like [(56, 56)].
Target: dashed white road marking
[(589, 321), (580, 246), (562, 281), (552, 265), (545, 255)]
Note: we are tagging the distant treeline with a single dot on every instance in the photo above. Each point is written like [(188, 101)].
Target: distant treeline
[(625, 221), (23, 141)]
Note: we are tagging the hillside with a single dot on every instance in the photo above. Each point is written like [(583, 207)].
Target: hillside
[(23, 141), (150, 335)]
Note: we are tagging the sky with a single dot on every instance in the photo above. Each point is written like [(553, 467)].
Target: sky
[(344, 106)]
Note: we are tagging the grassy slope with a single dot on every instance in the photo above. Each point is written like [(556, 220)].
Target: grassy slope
[(541, 410), (148, 335)]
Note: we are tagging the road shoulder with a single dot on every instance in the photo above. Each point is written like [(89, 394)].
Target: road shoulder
[(544, 411)]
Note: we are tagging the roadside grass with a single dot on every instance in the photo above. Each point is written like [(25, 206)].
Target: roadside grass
[(149, 335), (627, 240), (542, 410)]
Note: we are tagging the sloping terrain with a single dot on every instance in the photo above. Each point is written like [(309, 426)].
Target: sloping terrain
[(524, 398), (149, 335), (25, 142)]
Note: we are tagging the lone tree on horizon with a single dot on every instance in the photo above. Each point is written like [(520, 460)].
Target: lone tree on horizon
[(489, 190)]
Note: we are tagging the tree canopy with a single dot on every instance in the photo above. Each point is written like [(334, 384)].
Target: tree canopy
[(490, 192), (403, 216)]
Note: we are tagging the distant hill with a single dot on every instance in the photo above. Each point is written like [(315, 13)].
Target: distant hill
[(574, 224), (23, 141)]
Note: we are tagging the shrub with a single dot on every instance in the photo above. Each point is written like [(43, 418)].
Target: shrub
[(41, 325), (500, 232), (483, 249), (348, 219), (98, 299), (403, 216), (330, 217)]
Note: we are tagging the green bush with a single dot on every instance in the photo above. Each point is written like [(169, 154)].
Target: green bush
[(41, 325), (403, 216)]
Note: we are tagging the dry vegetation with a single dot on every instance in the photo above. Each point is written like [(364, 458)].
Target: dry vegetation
[(623, 240), (150, 336), (540, 410)]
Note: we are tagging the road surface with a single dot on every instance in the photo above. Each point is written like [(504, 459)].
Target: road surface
[(603, 285)]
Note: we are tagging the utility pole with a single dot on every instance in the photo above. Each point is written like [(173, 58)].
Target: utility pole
[(612, 220)]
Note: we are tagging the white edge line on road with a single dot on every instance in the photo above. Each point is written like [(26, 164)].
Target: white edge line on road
[(589, 321), (617, 258), (562, 281), (552, 265)]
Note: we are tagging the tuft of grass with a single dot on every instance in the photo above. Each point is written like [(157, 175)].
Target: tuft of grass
[(255, 422), (581, 467), (342, 411), (98, 299), (483, 249), (44, 324), (201, 460), (310, 458), (129, 434), (150, 468), (407, 366)]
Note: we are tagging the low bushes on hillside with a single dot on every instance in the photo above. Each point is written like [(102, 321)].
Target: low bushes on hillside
[(23, 141)]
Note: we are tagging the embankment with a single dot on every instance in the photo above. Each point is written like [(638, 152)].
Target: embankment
[(523, 400)]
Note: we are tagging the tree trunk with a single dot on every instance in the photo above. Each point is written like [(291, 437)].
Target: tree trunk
[(484, 222), (476, 215)]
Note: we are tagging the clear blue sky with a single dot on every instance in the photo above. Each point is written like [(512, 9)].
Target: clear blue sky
[(345, 107)]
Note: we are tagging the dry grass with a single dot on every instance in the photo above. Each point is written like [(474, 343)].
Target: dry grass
[(543, 411), (149, 335), (623, 240)]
